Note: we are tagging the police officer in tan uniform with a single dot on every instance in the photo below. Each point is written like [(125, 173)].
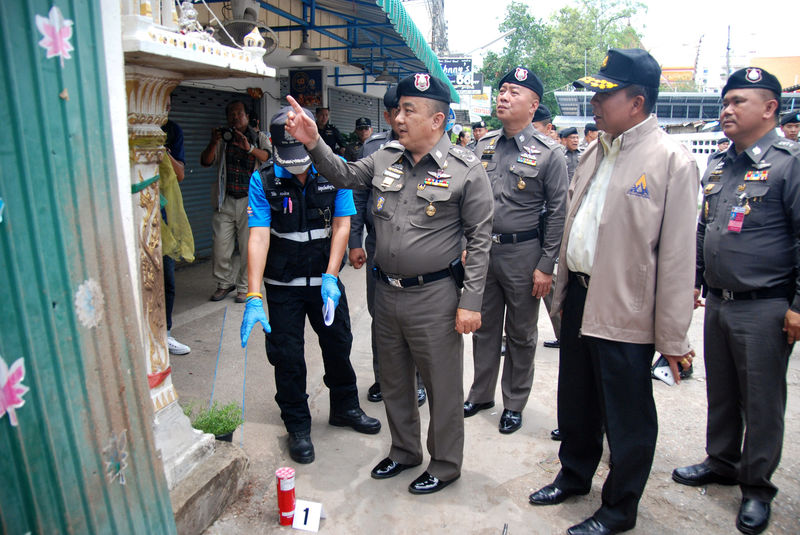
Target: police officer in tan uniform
[(428, 195), (747, 262), (526, 171)]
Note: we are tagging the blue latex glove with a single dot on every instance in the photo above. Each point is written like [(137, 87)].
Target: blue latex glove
[(253, 313), (330, 288)]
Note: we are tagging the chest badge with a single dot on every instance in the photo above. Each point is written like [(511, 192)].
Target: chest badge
[(639, 189), (430, 210), (708, 188), (379, 202)]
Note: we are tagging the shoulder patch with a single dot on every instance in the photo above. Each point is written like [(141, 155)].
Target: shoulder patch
[(792, 147), (394, 145), (546, 140), (463, 154)]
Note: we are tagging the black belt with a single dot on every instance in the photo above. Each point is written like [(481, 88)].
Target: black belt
[(581, 278), (516, 238), (408, 282), (784, 291)]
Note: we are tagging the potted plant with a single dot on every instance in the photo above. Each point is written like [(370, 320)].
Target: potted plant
[(220, 421)]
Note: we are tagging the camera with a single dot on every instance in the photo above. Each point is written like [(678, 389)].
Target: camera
[(227, 133)]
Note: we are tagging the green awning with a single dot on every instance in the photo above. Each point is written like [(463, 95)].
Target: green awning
[(416, 42)]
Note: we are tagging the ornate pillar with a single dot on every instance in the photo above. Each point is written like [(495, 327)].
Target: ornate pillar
[(148, 89)]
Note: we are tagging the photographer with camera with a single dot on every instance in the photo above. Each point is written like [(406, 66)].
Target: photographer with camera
[(237, 149)]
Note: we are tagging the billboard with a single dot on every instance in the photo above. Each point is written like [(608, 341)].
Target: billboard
[(459, 72)]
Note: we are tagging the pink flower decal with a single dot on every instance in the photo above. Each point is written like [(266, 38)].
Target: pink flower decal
[(12, 389), (57, 32)]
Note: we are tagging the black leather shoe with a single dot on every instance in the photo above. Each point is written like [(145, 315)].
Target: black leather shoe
[(356, 419), (374, 393), (552, 495), (590, 526), (510, 421), (753, 516), (301, 450), (471, 409), (552, 343), (428, 484), (555, 434), (421, 396), (698, 475), (388, 468)]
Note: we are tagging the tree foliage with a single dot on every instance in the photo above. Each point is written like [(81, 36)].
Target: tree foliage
[(556, 49)]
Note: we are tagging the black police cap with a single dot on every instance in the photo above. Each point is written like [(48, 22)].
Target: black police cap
[(390, 97), (363, 122), (590, 127), (566, 132), (525, 78), (791, 117), (478, 124), (423, 85), (621, 68), (542, 114), (753, 78)]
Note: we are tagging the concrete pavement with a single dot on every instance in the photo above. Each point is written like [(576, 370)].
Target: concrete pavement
[(499, 472)]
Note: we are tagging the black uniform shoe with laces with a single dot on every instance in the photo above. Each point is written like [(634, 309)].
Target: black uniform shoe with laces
[(356, 419), (301, 450)]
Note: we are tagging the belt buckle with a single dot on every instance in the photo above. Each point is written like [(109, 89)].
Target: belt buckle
[(496, 238), (727, 295), (394, 282)]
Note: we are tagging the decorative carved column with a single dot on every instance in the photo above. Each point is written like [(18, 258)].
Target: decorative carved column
[(148, 89)]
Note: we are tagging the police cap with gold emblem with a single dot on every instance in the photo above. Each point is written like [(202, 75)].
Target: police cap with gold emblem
[(542, 114), (621, 68), (791, 117), (566, 132), (478, 124), (525, 78), (423, 85), (753, 78)]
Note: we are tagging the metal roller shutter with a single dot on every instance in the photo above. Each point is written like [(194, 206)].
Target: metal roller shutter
[(198, 111), (347, 107)]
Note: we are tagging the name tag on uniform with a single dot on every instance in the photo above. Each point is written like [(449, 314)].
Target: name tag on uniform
[(737, 219)]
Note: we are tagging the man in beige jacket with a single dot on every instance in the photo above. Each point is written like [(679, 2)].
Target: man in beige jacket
[(625, 288)]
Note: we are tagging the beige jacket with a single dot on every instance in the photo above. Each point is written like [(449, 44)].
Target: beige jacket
[(641, 290)]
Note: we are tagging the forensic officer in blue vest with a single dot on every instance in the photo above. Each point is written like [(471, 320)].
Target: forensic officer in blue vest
[(299, 225)]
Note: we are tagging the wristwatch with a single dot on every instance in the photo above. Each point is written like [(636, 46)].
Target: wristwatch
[(250, 150)]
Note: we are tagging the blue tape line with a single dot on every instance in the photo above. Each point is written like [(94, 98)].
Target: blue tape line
[(219, 352), (244, 384)]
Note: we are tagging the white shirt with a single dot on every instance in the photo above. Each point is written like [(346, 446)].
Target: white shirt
[(583, 234)]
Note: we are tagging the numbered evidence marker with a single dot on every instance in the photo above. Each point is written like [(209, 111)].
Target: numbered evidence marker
[(307, 515)]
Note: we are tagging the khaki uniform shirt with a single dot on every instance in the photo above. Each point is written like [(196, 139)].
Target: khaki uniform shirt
[(422, 212), (526, 171)]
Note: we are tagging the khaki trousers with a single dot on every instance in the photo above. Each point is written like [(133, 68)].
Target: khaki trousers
[(227, 225)]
